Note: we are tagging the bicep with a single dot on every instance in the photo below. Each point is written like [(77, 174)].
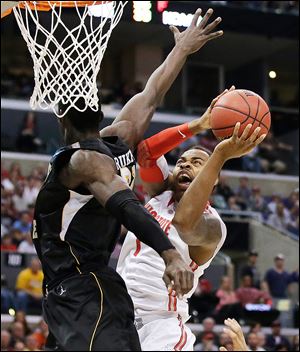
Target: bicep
[(204, 239), (123, 129), (139, 112)]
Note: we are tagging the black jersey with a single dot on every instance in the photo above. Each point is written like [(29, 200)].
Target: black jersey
[(71, 228)]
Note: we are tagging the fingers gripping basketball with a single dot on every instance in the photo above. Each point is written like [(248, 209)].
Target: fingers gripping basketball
[(241, 106)]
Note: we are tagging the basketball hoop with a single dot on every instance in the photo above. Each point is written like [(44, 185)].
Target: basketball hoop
[(66, 68)]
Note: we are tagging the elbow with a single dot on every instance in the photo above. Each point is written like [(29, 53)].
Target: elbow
[(182, 226)]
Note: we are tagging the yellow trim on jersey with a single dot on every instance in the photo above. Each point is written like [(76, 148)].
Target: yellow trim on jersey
[(100, 314)]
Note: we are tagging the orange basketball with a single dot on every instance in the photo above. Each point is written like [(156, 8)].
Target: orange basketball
[(242, 106)]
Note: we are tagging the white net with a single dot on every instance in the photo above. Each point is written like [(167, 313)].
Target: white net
[(67, 56)]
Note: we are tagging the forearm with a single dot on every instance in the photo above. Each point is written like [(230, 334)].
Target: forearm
[(163, 142), (194, 200), (164, 76), (130, 212)]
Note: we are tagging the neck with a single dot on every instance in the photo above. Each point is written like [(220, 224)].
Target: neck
[(73, 136)]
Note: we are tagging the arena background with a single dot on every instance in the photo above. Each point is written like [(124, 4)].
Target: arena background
[(259, 51)]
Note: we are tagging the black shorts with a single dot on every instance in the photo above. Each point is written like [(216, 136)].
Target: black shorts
[(91, 312)]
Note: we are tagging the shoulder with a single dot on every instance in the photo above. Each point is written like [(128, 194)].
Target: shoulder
[(122, 129), (24, 273), (87, 161)]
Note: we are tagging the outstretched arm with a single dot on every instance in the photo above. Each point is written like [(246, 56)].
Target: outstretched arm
[(153, 167), (139, 110)]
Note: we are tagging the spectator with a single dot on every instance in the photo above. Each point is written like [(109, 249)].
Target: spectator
[(276, 339), (15, 172), (272, 205), (233, 205), (7, 297), (27, 140), (32, 189), (24, 224), (225, 293), (292, 200), (29, 287), (273, 153), (261, 340), (18, 199), (251, 162), (208, 328), (278, 280), (252, 342), (31, 343), (26, 246), (17, 236), (7, 213), (7, 243), (257, 201), (248, 294), (228, 303), (21, 317), (17, 332), (207, 343), (251, 269), (243, 193), (41, 333), (223, 188), (280, 219), (293, 225), (5, 340)]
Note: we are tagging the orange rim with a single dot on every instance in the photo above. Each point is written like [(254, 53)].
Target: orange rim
[(46, 5)]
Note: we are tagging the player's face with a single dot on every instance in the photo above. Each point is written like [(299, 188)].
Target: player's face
[(187, 168)]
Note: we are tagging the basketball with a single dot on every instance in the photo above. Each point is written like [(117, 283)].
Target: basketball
[(242, 106)]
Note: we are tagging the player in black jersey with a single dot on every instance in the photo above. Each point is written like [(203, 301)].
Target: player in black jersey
[(81, 207)]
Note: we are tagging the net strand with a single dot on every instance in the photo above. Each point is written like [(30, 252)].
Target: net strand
[(66, 70)]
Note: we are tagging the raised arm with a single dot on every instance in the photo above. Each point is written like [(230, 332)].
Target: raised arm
[(139, 110), (201, 230), (97, 172), (153, 167)]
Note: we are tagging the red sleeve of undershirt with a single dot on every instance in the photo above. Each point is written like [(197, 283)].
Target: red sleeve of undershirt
[(153, 166)]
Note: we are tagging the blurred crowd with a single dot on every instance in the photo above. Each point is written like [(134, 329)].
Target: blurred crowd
[(271, 156), (19, 336), (276, 210), (279, 7), (208, 307), (256, 297), (256, 339)]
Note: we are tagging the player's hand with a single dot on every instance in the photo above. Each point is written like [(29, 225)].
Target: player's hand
[(236, 146), (234, 330), (195, 36), (178, 276), (203, 122)]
